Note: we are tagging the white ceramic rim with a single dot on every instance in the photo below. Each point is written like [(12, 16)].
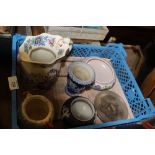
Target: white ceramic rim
[(49, 116), (42, 47), (102, 85), (47, 48), (88, 102), (74, 78)]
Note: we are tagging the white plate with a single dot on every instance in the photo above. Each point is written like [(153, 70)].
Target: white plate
[(105, 75)]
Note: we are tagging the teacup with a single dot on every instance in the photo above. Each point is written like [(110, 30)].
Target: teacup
[(78, 111), (36, 111), (80, 76)]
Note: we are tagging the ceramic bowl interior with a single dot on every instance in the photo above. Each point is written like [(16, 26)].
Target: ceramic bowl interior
[(82, 72), (82, 109), (37, 108), (42, 55)]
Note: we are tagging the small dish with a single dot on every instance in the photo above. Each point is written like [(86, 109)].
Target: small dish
[(110, 106), (105, 74)]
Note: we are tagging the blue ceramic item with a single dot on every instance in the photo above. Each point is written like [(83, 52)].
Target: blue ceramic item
[(78, 111), (80, 76)]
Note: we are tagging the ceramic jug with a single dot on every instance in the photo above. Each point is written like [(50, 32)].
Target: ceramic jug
[(39, 58)]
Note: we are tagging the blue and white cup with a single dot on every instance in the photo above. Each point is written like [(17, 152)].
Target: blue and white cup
[(80, 76)]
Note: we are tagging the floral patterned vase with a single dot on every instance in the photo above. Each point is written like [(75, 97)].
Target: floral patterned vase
[(39, 58)]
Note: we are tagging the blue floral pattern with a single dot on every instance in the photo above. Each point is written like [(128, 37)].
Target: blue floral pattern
[(40, 79), (26, 47), (73, 87), (39, 41)]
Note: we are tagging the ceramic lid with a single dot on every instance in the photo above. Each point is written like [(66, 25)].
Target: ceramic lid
[(110, 106), (105, 75), (82, 109)]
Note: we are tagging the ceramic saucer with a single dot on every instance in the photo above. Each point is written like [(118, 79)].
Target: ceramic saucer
[(105, 75)]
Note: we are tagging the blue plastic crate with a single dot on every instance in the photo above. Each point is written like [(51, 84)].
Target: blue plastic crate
[(142, 108)]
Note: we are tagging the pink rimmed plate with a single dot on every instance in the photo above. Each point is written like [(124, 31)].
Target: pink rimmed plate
[(105, 74)]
